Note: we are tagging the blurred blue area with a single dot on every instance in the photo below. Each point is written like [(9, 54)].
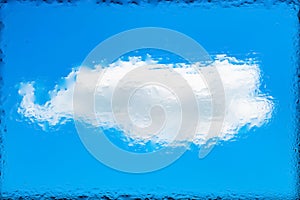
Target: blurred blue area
[(45, 42)]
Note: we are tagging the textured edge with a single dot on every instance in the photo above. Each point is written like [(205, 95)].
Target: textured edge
[(2, 112), (201, 3), (107, 195), (297, 107)]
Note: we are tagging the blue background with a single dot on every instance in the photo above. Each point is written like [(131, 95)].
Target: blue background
[(43, 43)]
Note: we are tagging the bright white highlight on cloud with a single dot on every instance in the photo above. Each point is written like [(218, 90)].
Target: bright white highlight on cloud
[(245, 104)]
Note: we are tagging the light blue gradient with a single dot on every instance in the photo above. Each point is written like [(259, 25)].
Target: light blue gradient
[(45, 42)]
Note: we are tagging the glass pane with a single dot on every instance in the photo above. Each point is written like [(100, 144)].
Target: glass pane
[(253, 49)]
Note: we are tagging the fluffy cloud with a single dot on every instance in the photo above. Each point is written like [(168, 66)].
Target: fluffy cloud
[(245, 104)]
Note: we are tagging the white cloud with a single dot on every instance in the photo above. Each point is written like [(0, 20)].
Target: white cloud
[(245, 104)]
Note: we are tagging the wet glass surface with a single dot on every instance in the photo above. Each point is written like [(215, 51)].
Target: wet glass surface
[(252, 47)]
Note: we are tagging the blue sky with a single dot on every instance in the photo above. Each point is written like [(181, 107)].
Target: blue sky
[(43, 43)]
